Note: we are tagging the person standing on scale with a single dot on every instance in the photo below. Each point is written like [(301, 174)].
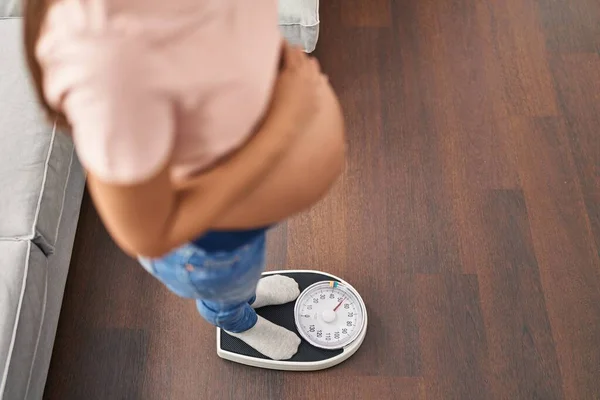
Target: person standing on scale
[(199, 128)]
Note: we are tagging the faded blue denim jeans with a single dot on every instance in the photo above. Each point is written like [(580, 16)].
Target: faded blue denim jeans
[(222, 283)]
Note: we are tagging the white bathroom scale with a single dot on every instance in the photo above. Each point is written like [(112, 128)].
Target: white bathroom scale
[(329, 316)]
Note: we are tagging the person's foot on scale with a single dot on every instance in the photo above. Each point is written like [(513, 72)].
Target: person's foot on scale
[(274, 290), (265, 337), (269, 339)]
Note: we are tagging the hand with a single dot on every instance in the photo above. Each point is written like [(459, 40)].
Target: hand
[(296, 96)]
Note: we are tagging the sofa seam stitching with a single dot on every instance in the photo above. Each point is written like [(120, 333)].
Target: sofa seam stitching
[(64, 196), (44, 182)]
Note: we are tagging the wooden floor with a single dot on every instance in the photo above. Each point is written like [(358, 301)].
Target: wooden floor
[(469, 219)]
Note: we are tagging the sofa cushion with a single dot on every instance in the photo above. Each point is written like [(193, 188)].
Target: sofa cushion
[(35, 159), (23, 274), (10, 8), (299, 22)]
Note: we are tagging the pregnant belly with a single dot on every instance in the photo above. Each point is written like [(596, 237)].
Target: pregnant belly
[(301, 179)]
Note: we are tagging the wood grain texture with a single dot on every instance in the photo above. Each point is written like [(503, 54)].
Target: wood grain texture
[(453, 338), (523, 362), (355, 388), (105, 348), (468, 218), (566, 253), (521, 50), (571, 27), (373, 14), (577, 79)]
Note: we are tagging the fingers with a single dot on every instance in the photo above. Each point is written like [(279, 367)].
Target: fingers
[(287, 55), (309, 67), (294, 57), (315, 66)]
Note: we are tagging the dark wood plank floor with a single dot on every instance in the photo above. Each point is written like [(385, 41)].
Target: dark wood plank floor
[(468, 218)]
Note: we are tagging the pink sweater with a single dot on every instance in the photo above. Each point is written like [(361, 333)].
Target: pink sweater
[(150, 82)]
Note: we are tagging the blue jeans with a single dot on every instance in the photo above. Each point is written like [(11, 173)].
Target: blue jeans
[(222, 282)]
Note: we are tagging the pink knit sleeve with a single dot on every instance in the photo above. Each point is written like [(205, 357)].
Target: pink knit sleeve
[(109, 89)]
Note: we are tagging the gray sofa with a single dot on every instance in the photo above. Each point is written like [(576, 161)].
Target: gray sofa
[(41, 187), (299, 22)]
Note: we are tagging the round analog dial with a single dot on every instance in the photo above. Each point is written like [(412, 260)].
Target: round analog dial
[(329, 315)]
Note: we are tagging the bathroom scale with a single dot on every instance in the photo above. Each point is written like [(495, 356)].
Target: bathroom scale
[(329, 316)]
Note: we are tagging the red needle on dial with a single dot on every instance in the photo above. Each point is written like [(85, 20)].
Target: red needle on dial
[(339, 304)]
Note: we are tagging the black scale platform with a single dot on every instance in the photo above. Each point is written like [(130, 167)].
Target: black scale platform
[(284, 316)]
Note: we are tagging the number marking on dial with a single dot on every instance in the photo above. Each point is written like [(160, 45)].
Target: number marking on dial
[(329, 316)]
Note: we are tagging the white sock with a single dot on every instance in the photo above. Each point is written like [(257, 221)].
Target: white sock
[(269, 339), (274, 290)]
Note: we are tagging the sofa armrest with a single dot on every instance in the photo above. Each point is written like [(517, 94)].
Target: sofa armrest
[(299, 22)]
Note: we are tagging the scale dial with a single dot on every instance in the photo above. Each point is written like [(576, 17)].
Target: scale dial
[(329, 315)]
